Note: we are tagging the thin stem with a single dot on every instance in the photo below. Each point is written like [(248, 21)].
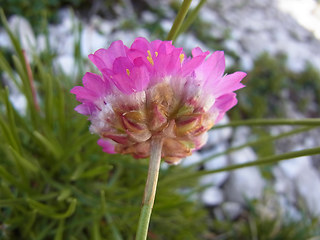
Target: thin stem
[(254, 143), (150, 188), (263, 122), (258, 162), (173, 34), (31, 82), (191, 17)]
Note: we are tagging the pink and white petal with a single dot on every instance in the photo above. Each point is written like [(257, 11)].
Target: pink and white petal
[(123, 82), (141, 44), (229, 83), (200, 140), (140, 77), (173, 64), (155, 45), (190, 65), (83, 94), (223, 104), (121, 64), (104, 58), (214, 66), (85, 109), (106, 145), (197, 52), (95, 83)]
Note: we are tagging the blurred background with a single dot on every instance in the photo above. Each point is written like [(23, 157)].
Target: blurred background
[(276, 41)]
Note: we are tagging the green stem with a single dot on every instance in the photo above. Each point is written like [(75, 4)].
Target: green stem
[(173, 34), (262, 161), (284, 121), (150, 188), (191, 17), (254, 143)]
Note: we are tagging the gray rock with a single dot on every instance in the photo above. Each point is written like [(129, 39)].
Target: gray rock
[(219, 135), (195, 158), (216, 179), (22, 29), (212, 196), (245, 183), (231, 209), (91, 41)]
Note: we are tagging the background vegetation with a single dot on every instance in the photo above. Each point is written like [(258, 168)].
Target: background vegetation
[(56, 183)]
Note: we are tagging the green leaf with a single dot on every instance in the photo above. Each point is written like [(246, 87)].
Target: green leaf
[(101, 170), (173, 34), (59, 232), (52, 147), (12, 179), (23, 162), (50, 211), (266, 122)]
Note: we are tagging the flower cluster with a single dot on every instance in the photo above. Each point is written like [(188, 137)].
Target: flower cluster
[(153, 90)]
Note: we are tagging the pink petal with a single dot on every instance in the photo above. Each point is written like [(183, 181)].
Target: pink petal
[(85, 109), (215, 66), (141, 44), (121, 64), (104, 58), (229, 83), (106, 145), (141, 77), (83, 94), (189, 66), (223, 104), (123, 82), (95, 83), (197, 51), (155, 45)]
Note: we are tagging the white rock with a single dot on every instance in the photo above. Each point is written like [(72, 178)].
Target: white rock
[(19, 102), (189, 41), (215, 179), (289, 209), (166, 25), (22, 29), (229, 61), (234, 46), (241, 136), (4, 40), (245, 183), (195, 158), (293, 167), (207, 15), (212, 196), (308, 185), (41, 43), (283, 185), (148, 17), (219, 135), (246, 62), (91, 41), (66, 63), (231, 209)]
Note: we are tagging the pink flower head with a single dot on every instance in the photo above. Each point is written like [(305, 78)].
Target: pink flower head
[(152, 89)]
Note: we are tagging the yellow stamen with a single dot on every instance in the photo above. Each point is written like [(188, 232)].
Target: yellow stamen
[(149, 57), (128, 71), (156, 53), (181, 57)]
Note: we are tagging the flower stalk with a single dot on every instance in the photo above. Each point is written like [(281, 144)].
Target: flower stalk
[(173, 34), (150, 188)]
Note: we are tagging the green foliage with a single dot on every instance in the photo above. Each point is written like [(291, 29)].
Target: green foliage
[(259, 223), (270, 85), (55, 181), (36, 10)]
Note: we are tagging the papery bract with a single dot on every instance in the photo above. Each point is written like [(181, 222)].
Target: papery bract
[(152, 89)]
